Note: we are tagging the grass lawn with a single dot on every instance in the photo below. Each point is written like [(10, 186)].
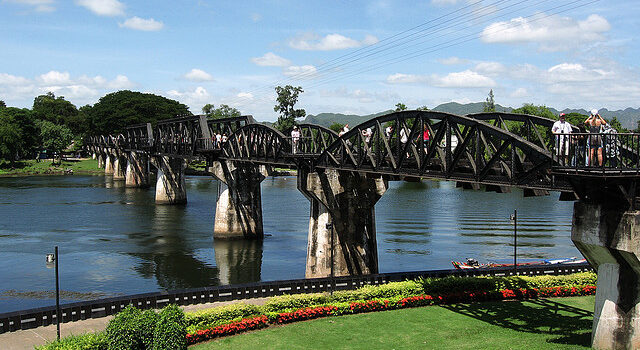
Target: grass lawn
[(31, 167), (559, 323)]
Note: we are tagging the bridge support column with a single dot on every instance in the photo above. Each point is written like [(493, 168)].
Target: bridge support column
[(170, 184), (239, 205), (346, 200), (100, 157), (137, 174), (609, 238), (108, 163), (119, 166)]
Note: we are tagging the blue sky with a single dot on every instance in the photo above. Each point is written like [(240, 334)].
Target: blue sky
[(356, 57)]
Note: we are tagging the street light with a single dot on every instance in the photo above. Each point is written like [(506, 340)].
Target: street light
[(514, 218), (53, 259)]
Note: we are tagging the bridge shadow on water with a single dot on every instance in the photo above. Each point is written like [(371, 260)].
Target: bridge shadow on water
[(567, 324)]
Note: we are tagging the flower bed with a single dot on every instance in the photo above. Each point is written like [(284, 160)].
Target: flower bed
[(308, 313)]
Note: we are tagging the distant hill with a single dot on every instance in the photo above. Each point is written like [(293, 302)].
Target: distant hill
[(628, 118)]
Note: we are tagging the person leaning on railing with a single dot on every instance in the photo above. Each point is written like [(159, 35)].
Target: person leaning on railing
[(595, 123)]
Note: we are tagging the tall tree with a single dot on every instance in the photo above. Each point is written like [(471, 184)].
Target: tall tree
[(2, 104), (54, 109), (490, 104), (400, 107), (22, 120), (55, 138), (287, 98), (117, 110), (10, 137), (224, 111)]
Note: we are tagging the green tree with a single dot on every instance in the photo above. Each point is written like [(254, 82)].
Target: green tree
[(55, 138), (10, 137), (287, 98), (400, 107), (489, 105), (117, 110), (224, 111), (337, 127), (54, 109), (615, 123), (423, 108), (2, 104), (23, 118)]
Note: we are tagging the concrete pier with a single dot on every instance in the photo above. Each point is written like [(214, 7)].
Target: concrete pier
[(239, 205), (119, 166), (137, 174), (345, 199), (100, 157), (170, 184), (609, 238), (108, 163)]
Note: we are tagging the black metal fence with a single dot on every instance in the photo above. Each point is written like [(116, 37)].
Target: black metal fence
[(603, 152), (45, 316)]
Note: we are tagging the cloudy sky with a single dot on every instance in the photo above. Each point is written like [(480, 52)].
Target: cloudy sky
[(349, 56)]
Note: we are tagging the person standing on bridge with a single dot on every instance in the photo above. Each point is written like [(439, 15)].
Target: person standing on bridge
[(295, 138), (595, 123), (561, 130)]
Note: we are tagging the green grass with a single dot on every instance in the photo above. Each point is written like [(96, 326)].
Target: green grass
[(31, 167), (559, 323)]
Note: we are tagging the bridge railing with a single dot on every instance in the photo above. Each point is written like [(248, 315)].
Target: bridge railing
[(602, 152)]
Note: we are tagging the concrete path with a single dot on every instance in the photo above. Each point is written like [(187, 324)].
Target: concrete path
[(28, 339)]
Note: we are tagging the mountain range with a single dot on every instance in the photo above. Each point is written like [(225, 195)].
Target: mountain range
[(628, 117)]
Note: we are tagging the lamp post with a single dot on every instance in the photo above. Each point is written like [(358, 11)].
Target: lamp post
[(53, 258), (514, 218), (330, 227)]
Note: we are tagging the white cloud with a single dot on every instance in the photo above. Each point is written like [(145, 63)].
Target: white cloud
[(147, 25), (574, 72), (306, 70), (38, 5), (196, 97), (490, 68), (464, 79), (451, 61), (55, 78), (329, 42), (198, 75), (519, 93), (256, 17), (552, 33), (8, 79), (109, 8), (272, 60), (120, 82), (246, 95)]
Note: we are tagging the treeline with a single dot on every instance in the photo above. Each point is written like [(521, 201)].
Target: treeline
[(53, 123)]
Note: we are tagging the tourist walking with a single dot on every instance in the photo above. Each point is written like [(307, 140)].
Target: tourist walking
[(595, 123), (561, 130), (295, 137)]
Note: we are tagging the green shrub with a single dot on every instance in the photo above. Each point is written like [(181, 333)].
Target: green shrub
[(216, 316), (123, 331), (171, 329), (88, 341), (147, 324), (296, 301)]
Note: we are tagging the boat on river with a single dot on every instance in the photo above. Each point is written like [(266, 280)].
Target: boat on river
[(474, 264)]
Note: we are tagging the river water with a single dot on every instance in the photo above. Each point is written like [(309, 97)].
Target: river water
[(116, 241)]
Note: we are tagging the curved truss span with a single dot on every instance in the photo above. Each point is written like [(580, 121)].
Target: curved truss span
[(439, 145), (314, 139), (257, 143)]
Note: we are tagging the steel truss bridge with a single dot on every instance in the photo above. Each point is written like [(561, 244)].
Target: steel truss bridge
[(499, 150)]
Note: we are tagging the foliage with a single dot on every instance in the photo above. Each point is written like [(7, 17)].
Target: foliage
[(171, 329), (228, 329), (287, 98), (490, 104), (88, 341), (422, 108), (123, 331), (2, 104), (117, 110), (296, 301), (33, 167), (215, 316), (10, 137), (400, 107), (224, 111), (147, 324), (54, 109), (21, 120), (54, 138), (615, 123), (337, 127)]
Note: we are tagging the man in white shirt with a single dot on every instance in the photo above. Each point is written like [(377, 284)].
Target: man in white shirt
[(560, 130), (295, 137)]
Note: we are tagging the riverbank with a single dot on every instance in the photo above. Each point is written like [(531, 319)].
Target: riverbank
[(77, 166)]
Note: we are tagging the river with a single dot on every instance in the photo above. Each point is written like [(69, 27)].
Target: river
[(115, 241)]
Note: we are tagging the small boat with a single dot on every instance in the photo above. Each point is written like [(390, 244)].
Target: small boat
[(474, 264)]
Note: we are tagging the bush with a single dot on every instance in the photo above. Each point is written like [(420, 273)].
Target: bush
[(171, 329), (216, 316), (297, 301), (89, 341), (147, 324), (124, 332)]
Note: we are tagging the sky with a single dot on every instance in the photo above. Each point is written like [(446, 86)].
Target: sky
[(352, 57)]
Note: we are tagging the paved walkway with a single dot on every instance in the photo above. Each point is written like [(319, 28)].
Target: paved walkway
[(28, 339)]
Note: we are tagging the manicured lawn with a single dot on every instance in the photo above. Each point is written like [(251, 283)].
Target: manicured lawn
[(559, 323), (31, 167)]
